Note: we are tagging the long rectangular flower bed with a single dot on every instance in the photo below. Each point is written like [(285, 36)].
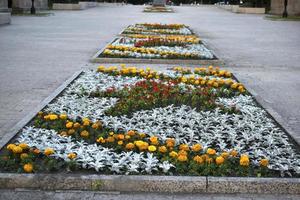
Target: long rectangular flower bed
[(156, 42), (141, 121)]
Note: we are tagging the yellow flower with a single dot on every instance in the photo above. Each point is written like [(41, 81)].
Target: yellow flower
[(173, 154), (17, 150), (234, 153), (244, 160), (234, 86), (23, 156), (24, 146), (53, 117), (63, 116), (154, 140), (225, 155), (182, 158), (86, 123), (10, 147), (182, 152), (84, 134), (130, 146), (28, 168), (111, 133), (69, 125), (151, 148), (127, 137), (198, 159), (48, 151), (264, 162), (196, 147), (220, 160), (184, 147), (162, 149), (211, 151), (100, 140), (142, 135), (72, 156), (120, 142), (184, 79)]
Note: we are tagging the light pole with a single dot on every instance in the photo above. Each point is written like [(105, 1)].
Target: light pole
[(32, 10), (285, 13)]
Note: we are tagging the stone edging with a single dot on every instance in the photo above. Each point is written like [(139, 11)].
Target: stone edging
[(158, 184)]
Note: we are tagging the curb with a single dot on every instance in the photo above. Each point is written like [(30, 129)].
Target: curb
[(97, 59), (23, 122), (157, 184)]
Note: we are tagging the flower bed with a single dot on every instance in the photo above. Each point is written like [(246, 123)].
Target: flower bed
[(136, 121), (158, 41), (158, 9), (158, 29)]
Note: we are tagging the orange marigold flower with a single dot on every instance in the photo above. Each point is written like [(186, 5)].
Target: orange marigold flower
[(196, 147), (130, 146), (84, 134), (162, 149), (198, 159), (71, 131), (220, 160), (131, 133), (24, 146), (69, 125), (244, 160), (182, 158), (77, 125), (28, 168), (225, 154), (48, 151), (264, 162), (154, 140), (211, 151), (234, 153), (110, 139), (184, 147), (17, 150), (72, 156)]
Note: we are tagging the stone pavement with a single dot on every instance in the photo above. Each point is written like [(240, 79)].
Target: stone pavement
[(38, 53), (79, 195)]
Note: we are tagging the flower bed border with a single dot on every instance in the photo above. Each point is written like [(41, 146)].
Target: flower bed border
[(143, 183), (157, 184)]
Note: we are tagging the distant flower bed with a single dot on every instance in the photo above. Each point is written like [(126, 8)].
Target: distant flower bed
[(158, 41), (158, 9), (158, 29), (140, 121)]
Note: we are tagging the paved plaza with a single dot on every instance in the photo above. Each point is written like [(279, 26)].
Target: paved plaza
[(37, 54)]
